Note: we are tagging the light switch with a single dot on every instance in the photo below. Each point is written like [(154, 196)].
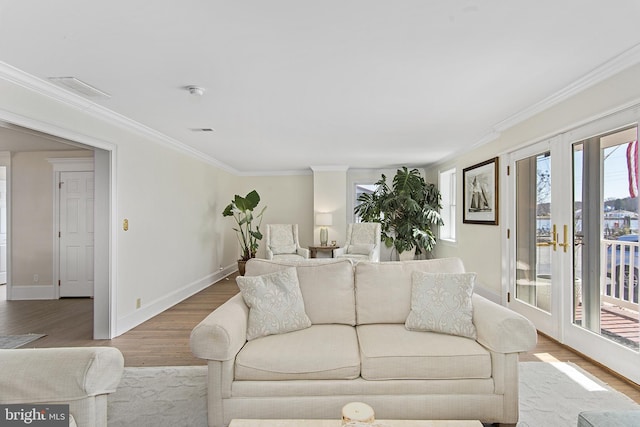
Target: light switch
[(125, 224)]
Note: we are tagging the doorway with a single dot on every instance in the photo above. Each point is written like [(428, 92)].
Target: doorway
[(573, 245), (104, 172)]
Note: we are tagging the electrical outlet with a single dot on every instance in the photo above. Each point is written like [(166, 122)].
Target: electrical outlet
[(36, 278), (138, 303)]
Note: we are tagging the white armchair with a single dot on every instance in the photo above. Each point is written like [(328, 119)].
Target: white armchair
[(363, 242), (81, 377), (283, 244)]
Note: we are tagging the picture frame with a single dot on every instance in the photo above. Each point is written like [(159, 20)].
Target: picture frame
[(480, 193)]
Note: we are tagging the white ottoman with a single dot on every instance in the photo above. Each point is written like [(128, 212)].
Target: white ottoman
[(609, 418)]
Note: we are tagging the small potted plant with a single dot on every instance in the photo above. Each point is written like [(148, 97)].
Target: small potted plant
[(242, 210)]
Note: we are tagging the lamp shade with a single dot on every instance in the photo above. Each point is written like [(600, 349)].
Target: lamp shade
[(324, 219)]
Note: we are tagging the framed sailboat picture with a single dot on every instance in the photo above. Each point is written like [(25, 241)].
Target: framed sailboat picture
[(480, 193)]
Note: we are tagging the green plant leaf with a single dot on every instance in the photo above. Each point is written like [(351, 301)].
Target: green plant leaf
[(228, 211), (252, 199)]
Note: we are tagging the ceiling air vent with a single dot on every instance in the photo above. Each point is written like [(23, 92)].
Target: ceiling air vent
[(80, 87), (203, 130)]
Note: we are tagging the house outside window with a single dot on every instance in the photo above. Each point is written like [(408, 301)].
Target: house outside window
[(447, 185)]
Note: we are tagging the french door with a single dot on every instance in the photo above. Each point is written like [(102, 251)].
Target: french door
[(573, 239)]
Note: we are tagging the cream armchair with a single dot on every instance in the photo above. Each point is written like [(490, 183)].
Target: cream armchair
[(363, 242), (283, 244), (81, 377)]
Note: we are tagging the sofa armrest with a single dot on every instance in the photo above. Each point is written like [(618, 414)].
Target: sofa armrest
[(36, 375), (222, 334), (304, 252), (500, 329)]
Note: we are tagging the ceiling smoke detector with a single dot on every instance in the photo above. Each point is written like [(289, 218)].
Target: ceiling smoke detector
[(196, 90)]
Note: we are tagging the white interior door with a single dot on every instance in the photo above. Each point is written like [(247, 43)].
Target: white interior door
[(76, 234)]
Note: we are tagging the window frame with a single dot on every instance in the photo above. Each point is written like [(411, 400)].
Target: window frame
[(447, 183)]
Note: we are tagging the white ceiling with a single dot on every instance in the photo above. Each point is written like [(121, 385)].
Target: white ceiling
[(298, 83)]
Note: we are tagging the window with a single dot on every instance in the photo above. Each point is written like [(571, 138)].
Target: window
[(447, 184), (362, 189)]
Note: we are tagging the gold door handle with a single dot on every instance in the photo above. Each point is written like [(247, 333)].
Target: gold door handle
[(554, 242), (565, 243)]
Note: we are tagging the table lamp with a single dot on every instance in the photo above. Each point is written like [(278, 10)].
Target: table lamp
[(323, 219)]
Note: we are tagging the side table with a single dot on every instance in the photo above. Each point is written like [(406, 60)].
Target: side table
[(313, 250)]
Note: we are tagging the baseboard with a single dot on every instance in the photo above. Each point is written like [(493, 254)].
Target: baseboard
[(156, 307), (31, 292)]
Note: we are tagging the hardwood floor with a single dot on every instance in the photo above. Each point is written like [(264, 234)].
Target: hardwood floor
[(164, 340)]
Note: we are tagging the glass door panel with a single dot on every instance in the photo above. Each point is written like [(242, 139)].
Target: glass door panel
[(535, 233), (605, 233)]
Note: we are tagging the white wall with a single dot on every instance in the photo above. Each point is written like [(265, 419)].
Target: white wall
[(330, 196), (479, 246)]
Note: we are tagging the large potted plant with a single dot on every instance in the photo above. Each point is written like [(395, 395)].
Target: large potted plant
[(406, 211), (248, 232)]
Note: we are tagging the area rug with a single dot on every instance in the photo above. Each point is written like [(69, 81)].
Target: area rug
[(15, 341), (551, 394)]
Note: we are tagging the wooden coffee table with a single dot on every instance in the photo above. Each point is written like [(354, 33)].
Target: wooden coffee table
[(338, 423)]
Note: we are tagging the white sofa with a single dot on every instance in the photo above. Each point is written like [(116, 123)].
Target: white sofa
[(81, 377), (358, 349)]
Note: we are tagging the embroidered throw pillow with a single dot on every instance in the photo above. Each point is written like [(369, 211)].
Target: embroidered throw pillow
[(275, 303), (441, 302)]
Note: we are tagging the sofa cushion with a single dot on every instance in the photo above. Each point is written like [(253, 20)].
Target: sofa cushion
[(275, 303), (383, 289), (326, 285), (321, 352), (392, 352), (441, 302)]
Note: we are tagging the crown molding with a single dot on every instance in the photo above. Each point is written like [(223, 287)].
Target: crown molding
[(275, 173), (610, 68), (330, 168), (42, 87)]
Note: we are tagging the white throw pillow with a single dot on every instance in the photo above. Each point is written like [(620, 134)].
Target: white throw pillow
[(283, 249), (361, 249), (275, 303), (441, 302)]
